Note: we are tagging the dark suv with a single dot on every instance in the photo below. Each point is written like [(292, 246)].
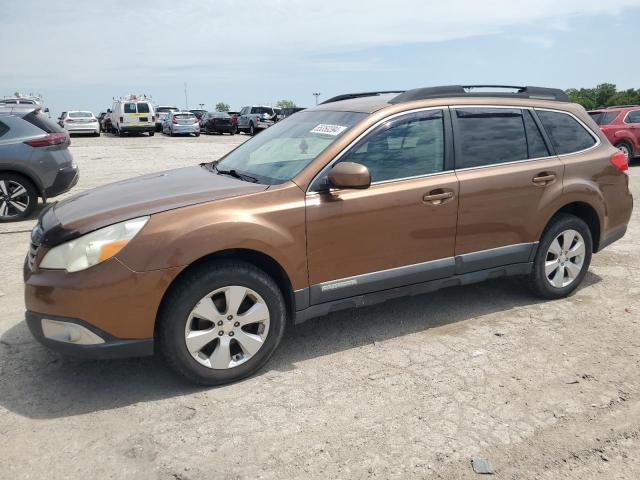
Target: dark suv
[(364, 198), (34, 161)]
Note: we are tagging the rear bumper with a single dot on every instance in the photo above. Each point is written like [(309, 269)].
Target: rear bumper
[(612, 236), (195, 128), (65, 180), (82, 127), (138, 128), (111, 348)]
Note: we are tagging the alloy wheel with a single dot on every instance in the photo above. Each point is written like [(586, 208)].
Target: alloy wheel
[(14, 199), (565, 259), (626, 150), (227, 327)]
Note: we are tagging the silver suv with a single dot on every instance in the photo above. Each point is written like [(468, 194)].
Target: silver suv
[(254, 118), (34, 160)]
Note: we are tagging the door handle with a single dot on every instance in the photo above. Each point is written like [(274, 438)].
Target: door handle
[(544, 179), (437, 198)]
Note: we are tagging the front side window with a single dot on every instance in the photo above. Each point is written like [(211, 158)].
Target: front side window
[(403, 148), (565, 132), (280, 152), (487, 136), (633, 117)]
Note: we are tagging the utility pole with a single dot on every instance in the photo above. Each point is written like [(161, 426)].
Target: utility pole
[(317, 94), (186, 99)]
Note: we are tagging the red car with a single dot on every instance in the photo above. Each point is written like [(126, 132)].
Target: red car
[(621, 125)]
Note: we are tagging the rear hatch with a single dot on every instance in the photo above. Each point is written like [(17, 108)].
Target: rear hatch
[(185, 118), (138, 113)]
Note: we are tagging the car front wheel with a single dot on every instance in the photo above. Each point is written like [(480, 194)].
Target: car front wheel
[(221, 322)]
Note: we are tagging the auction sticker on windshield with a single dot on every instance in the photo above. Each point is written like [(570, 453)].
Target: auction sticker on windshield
[(328, 129)]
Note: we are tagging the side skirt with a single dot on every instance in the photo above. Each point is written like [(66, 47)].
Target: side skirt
[(410, 290)]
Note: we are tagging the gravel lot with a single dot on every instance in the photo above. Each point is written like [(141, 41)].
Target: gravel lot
[(414, 388)]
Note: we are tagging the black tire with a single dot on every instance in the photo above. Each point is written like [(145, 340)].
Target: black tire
[(97, 134), (171, 134), (538, 281), (151, 134), (627, 148), (187, 292), (120, 133), (252, 129), (198, 134), (11, 181)]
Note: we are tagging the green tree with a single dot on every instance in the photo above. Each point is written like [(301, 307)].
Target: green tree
[(222, 107), (286, 104), (604, 95)]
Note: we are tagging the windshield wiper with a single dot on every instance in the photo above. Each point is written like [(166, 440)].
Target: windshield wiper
[(234, 173)]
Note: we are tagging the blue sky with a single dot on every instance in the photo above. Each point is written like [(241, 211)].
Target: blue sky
[(80, 54)]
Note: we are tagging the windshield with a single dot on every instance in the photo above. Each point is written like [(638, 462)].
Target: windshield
[(603, 118), (280, 152)]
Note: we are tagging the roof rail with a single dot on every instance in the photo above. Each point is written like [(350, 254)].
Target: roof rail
[(347, 96), (468, 91), (617, 106)]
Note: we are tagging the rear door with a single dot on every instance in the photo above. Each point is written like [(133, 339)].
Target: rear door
[(400, 230), (508, 176)]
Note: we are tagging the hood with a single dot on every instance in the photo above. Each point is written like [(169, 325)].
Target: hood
[(136, 197)]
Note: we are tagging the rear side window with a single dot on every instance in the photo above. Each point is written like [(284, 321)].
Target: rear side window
[(487, 136), (633, 117), (603, 118), (565, 132), (4, 128), (409, 147), (130, 108), (42, 122)]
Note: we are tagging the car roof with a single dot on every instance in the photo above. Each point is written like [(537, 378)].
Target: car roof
[(615, 108), (17, 109)]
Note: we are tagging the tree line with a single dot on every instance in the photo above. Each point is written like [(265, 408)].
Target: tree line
[(604, 95)]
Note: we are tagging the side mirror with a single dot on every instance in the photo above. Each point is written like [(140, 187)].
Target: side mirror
[(349, 175), (108, 110), (46, 110)]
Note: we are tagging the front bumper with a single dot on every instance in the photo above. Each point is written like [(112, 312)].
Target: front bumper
[(110, 347), (65, 180), (108, 297)]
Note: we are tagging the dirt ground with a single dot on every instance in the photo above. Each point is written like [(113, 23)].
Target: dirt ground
[(414, 388)]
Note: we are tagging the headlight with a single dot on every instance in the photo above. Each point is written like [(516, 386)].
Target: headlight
[(94, 247)]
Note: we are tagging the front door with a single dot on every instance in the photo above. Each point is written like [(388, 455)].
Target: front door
[(399, 231)]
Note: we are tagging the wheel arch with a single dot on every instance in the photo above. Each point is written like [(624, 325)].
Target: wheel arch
[(585, 212), (29, 176), (254, 257)]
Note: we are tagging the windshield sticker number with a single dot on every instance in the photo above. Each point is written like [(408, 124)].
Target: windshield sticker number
[(332, 130)]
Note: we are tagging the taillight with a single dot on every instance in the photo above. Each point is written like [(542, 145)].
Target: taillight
[(174, 120), (195, 120), (153, 118), (49, 140), (258, 118), (68, 120), (620, 161), (121, 119)]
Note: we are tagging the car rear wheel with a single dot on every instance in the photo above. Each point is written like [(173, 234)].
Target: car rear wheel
[(563, 257), (18, 197), (221, 322), (252, 130), (151, 134)]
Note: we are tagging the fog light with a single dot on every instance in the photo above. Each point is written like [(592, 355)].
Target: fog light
[(69, 333)]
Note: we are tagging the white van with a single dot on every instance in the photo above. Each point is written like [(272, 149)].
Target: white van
[(133, 114)]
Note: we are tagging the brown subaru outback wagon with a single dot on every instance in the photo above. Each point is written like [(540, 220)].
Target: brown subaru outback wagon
[(361, 199)]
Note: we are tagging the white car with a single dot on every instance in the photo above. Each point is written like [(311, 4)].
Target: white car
[(79, 121)]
